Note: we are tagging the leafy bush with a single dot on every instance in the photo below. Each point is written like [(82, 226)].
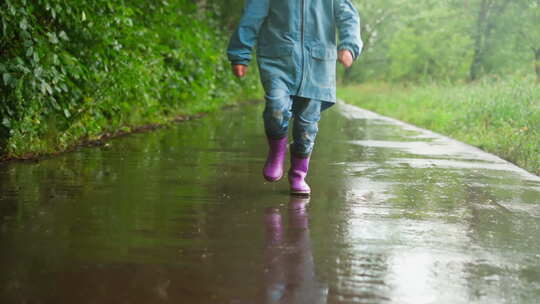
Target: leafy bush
[(77, 69)]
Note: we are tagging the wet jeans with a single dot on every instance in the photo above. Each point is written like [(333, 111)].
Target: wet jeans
[(279, 109)]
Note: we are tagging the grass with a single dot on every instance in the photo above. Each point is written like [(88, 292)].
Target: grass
[(498, 116), (49, 145)]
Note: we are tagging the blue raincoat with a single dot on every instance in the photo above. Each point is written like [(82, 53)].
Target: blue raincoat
[(296, 43)]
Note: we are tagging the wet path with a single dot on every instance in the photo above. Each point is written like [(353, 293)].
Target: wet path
[(398, 215)]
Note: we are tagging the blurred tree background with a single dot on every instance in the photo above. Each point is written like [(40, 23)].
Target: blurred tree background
[(447, 40)]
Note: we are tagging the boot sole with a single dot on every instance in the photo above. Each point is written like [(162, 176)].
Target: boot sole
[(300, 193), (272, 180)]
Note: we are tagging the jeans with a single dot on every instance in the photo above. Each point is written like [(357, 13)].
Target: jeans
[(279, 109)]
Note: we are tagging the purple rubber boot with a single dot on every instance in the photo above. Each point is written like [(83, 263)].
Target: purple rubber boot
[(297, 174), (273, 168)]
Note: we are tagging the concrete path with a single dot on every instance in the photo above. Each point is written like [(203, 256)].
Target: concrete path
[(182, 215)]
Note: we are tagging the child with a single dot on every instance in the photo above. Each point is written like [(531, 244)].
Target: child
[(296, 56)]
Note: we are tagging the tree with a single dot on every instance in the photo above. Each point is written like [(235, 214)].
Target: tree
[(528, 13), (489, 11)]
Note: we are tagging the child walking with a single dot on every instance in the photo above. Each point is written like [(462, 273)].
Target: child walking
[(296, 50)]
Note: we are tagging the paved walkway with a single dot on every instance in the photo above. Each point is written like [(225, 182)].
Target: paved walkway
[(182, 215)]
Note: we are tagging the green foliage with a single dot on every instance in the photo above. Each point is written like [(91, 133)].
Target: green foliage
[(430, 40), (501, 116), (74, 70), (227, 11)]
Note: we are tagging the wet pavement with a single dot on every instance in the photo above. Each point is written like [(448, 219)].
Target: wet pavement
[(182, 215)]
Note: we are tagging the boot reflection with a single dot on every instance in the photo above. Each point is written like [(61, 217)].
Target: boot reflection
[(289, 270), (273, 272), (274, 228), (298, 216)]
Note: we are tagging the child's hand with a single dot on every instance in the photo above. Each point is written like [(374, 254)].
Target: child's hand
[(239, 70), (345, 57)]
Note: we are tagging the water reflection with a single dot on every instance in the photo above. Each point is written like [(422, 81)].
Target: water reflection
[(288, 268)]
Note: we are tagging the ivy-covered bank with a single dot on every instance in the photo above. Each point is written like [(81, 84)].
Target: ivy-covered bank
[(72, 71)]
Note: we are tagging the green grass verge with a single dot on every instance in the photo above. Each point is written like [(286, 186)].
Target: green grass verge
[(57, 141), (501, 117)]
